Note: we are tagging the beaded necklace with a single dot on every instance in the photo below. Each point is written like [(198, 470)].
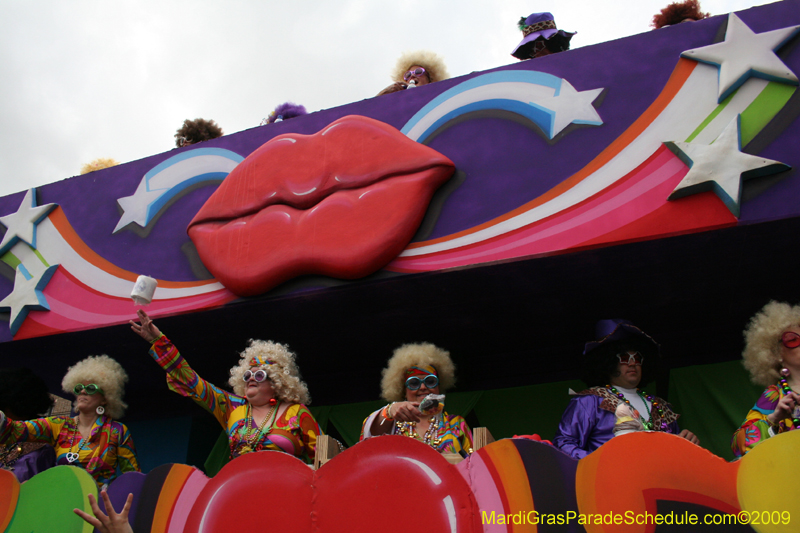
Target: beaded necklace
[(251, 434), (786, 390), (431, 437), (73, 456), (648, 424)]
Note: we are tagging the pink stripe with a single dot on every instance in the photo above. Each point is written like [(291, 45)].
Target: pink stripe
[(185, 501), (474, 471), (645, 191), (74, 307)]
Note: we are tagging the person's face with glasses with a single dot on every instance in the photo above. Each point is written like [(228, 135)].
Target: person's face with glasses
[(629, 369), (88, 396), (418, 74), (257, 386), (790, 348), (419, 386)]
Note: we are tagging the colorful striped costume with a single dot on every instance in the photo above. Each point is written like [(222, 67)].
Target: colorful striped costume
[(454, 435), (756, 427), (109, 448), (294, 431)]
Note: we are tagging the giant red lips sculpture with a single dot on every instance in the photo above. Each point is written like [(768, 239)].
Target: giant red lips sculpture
[(342, 202)]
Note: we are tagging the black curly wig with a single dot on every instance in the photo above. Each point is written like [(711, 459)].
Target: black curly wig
[(197, 130)]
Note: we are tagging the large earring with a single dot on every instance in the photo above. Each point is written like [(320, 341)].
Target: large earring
[(785, 372), (100, 410)]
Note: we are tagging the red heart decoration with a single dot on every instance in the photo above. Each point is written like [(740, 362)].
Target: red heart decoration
[(385, 484)]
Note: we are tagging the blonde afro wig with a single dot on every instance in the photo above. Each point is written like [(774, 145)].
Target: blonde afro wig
[(393, 384), (762, 351), (283, 372), (430, 61), (104, 372), (99, 164)]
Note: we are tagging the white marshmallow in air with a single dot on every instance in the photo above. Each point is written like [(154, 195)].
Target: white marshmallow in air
[(143, 290)]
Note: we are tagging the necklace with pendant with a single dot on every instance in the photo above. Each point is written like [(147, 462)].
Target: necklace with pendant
[(649, 424), (73, 456), (251, 433), (431, 437)]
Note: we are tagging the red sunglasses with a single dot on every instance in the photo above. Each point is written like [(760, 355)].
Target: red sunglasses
[(790, 339)]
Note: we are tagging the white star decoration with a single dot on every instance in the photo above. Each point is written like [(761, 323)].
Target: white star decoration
[(135, 207), (22, 224), (570, 106), (720, 167), (27, 295), (743, 54)]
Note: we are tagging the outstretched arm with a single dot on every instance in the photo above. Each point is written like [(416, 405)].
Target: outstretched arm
[(180, 376), (111, 523), (381, 422)]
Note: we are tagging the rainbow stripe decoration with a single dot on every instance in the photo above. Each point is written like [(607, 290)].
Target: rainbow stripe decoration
[(621, 195)]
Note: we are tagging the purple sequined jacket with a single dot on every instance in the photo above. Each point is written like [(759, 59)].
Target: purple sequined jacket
[(588, 423)]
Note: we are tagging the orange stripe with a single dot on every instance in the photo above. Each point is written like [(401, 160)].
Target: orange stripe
[(676, 80), (506, 460), (170, 490), (62, 225), (9, 496)]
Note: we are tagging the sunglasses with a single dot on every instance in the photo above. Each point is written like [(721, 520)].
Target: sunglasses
[(258, 375), (790, 339), (89, 389), (417, 72), (414, 383), (630, 358)]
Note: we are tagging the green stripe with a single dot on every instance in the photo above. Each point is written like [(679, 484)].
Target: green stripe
[(11, 260), (763, 109), (710, 117), (41, 258), (758, 114)]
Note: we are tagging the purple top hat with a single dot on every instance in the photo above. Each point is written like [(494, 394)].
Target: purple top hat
[(615, 329), (535, 26)]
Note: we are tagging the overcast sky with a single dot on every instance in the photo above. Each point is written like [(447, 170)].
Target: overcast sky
[(88, 78)]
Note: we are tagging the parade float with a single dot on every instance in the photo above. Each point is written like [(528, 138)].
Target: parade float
[(497, 214)]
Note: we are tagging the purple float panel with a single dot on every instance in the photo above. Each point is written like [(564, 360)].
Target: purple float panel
[(603, 145)]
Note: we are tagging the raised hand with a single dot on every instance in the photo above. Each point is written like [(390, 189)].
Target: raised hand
[(112, 522), (145, 328)]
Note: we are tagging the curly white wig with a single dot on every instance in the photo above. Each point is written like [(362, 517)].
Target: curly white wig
[(762, 351), (430, 61), (283, 372), (393, 384), (104, 372)]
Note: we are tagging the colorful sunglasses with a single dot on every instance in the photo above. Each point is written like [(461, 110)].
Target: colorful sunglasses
[(258, 375), (630, 358), (417, 72), (790, 339), (89, 389), (414, 382)]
